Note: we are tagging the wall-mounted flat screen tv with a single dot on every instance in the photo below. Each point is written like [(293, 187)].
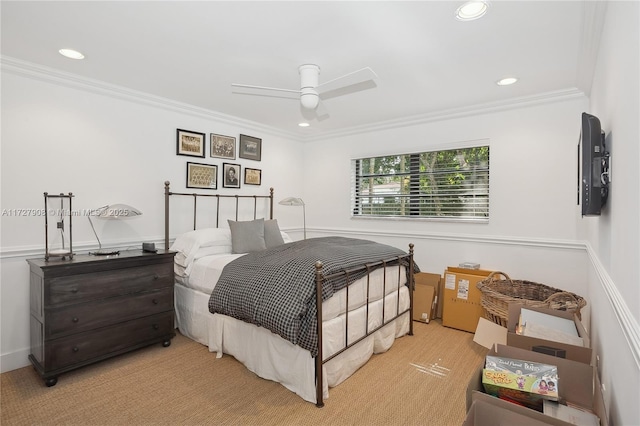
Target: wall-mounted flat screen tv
[(593, 167)]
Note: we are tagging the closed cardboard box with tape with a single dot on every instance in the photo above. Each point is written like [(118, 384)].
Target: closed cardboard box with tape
[(461, 298)]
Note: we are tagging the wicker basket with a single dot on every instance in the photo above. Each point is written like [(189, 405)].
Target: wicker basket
[(497, 294)]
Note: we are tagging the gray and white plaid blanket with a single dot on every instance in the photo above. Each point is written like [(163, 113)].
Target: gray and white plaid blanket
[(275, 288)]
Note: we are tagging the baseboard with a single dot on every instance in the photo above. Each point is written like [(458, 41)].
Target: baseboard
[(14, 360)]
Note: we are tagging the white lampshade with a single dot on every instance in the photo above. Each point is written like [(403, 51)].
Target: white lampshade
[(295, 201), (292, 201), (111, 211)]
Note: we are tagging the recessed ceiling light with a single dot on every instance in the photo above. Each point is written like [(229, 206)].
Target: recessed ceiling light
[(506, 81), (303, 124), (71, 54), (471, 10)]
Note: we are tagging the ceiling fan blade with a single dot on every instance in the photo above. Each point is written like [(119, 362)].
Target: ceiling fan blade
[(318, 113), (360, 77), (321, 111), (248, 89)]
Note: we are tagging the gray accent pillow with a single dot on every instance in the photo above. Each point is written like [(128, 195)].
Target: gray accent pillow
[(272, 235), (247, 236)]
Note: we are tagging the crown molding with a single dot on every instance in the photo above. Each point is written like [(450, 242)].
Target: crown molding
[(472, 110), (62, 78)]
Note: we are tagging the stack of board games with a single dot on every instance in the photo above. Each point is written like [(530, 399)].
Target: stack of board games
[(522, 382)]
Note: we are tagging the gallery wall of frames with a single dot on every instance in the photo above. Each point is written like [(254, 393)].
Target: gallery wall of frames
[(223, 155)]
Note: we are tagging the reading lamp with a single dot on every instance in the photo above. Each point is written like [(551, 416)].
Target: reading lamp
[(113, 211), (293, 201)]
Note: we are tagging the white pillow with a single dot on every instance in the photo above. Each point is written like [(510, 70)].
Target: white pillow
[(188, 244)]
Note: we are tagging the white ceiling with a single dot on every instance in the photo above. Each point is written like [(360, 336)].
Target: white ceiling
[(427, 62)]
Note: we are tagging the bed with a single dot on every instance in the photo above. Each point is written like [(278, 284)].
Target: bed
[(306, 314)]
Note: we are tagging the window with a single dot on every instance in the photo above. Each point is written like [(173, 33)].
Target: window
[(451, 184)]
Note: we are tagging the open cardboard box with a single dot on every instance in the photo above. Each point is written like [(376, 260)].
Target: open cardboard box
[(487, 410), (572, 352), (578, 385)]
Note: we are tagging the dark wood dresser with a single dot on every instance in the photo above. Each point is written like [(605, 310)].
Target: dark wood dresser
[(91, 308)]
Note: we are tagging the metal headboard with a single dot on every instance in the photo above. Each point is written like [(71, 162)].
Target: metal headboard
[(168, 193)]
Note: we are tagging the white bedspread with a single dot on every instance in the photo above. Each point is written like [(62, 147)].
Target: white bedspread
[(206, 271), (282, 361)]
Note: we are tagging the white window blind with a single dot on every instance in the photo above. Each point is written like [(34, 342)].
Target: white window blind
[(448, 184)]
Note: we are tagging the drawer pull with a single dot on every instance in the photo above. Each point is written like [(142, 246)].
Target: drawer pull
[(76, 349), (74, 319), (156, 326), (155, 301), (74, 290), (156, 277)]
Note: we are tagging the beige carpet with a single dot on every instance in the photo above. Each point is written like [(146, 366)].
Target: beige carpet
[(420, 381)]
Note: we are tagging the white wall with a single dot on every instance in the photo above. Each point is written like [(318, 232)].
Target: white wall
[(535, 230), (614, 237), (533, 160), (104, 147)]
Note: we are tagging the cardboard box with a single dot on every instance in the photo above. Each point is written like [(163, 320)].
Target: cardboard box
[(461, 298), (491, 411), (488, 333), (440, 301), (575, 353), (580, 385), (425, 296)]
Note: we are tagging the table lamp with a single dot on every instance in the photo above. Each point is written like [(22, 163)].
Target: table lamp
[(113, 211)]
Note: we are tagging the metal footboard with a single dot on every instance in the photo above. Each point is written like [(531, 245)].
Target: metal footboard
[(321, 278)]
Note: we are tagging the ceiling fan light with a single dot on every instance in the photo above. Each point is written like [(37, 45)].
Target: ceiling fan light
[(309, 100)]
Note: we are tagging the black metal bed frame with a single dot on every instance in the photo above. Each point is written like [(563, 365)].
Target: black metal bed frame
[(406, 259)]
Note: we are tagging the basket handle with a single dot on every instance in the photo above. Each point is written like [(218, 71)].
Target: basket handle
[(565, 293), (490, 277), (561, 293)]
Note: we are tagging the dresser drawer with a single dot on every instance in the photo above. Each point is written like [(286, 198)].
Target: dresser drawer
[(86, 316), (108, 341), (103, 284)]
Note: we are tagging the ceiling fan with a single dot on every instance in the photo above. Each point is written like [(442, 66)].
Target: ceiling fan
[(311, 93)]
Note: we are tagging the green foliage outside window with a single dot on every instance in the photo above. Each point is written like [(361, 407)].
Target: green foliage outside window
[(452, 184)]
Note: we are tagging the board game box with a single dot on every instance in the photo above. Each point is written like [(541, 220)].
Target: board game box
[(523, 382)]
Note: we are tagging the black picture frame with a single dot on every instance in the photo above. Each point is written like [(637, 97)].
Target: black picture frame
[(231, 175), (221, 146), (250, 148), (202, 176), (190, 143), (252, 176)]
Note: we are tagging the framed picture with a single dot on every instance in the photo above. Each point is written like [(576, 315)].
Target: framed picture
[(190, 143), (252, 176), (250, 148), (204, 176), (231, 175), (222, 146)]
